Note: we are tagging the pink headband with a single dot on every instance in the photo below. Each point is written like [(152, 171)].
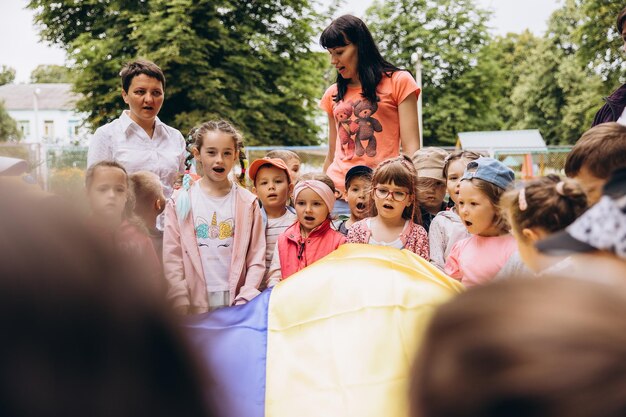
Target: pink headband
[(320, 189)]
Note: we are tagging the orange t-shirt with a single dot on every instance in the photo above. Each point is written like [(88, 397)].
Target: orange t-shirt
[(367, 134)]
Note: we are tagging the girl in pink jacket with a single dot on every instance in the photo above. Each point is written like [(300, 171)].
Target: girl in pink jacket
[(311, 237), (214, 242)]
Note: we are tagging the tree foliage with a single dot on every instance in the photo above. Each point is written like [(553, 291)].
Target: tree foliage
[(7, 74), (50, 74), (557, 92), (8, 126), (598, 40), (246, 61), (448, 36)]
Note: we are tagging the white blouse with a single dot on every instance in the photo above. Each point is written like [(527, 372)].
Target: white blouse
[(126, 142)]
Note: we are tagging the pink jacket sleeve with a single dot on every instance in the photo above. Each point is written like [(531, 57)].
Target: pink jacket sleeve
[(255, 259), (178, 291), (453, 268)]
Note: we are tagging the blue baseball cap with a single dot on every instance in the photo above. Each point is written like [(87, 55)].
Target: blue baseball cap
[(490, 170)]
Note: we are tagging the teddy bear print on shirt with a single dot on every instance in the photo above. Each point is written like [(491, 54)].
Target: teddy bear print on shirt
[(366, 126)]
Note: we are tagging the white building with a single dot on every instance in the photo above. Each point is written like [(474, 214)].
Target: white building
[(45, 113)]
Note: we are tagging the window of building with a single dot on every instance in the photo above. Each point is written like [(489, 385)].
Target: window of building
[(24, 126), (48, 128)]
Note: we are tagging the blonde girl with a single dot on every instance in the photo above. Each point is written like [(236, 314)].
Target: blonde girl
[(311, 237), (395, 219), (539, 208), (490, 251), (447, 228), (214, 241)]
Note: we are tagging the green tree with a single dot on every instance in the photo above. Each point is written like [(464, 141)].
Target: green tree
[(8, 126), (50, 74), (557, 92), (449, 36), (600, 45), (249, 62), (7, 75)]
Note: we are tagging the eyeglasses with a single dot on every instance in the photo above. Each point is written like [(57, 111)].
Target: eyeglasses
[(382, 193)]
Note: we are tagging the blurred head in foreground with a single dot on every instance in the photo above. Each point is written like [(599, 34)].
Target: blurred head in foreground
[(80, 337), (550, 347)]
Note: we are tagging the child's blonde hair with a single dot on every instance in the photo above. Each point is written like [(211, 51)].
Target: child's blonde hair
[(548, 203), (456, 155), (319, 176), (283, 154), (401, 171), (147, 188)]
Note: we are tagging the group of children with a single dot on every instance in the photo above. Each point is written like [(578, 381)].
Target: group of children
[(223, 244)]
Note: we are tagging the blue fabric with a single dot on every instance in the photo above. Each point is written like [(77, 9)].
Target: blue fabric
[(233, 344)]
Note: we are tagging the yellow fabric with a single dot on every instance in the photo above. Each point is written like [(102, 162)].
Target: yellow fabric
[(343, 332)]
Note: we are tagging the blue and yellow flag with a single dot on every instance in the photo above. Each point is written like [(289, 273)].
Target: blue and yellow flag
[(336, 339)]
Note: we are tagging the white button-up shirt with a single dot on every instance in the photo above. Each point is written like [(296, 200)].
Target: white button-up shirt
[(126, 142)]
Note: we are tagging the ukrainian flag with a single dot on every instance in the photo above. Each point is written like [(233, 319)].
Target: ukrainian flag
[(336, 339)]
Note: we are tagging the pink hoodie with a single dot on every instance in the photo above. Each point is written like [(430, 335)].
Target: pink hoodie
[(181, 257)]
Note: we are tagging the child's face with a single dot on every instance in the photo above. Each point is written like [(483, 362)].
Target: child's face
[(108, 193), (217, 156), (430, 193), (476, 211), (294, 168), (391, 200), (455, 173), (525, 246), (357, 197), (311, 210), (272, 187), (591, 185)]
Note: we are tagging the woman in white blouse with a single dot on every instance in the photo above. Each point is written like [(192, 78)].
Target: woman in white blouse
[(138, 139)]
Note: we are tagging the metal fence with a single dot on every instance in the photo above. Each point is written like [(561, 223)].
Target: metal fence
[(530, 164), (60, 169)]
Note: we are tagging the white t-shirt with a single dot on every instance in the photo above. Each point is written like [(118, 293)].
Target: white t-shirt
[(275, 227), (394, 244), (214, 223)]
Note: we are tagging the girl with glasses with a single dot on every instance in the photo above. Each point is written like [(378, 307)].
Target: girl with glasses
[(396, 220)]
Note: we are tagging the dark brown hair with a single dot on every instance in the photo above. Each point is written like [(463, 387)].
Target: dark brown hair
[(551, 347), (620, 22), (140, 66), (601, 149), (550, 204), (401, 171)]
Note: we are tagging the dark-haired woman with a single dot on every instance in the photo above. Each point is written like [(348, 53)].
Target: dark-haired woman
[(372, 108), (138, 139)]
